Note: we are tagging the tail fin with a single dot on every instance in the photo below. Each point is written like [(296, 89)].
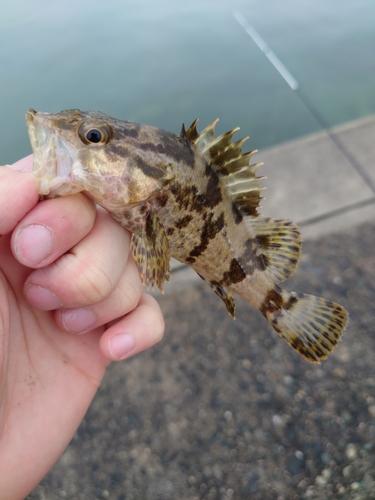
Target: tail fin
[(311, 325)]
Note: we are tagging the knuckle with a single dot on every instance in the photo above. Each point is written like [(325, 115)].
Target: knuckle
[(130, 298), (94, 285)]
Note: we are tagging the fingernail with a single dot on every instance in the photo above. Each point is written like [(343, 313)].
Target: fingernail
[(120, 345), (33, 244), (41, 298), (78, 320)]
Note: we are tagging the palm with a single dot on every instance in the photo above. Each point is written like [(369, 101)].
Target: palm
[(79, 279), (45, 372)]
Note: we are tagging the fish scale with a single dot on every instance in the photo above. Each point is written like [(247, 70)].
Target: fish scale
[(194, 197)]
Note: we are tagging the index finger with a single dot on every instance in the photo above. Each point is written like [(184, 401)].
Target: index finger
[(23, 165), (18, 194)]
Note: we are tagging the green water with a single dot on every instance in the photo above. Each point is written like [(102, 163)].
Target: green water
[(166, 62)]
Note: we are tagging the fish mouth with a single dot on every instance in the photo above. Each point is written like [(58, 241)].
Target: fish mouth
[(30, 115), (52, 158)]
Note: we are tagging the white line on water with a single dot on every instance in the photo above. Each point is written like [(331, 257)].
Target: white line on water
[(284, 72)]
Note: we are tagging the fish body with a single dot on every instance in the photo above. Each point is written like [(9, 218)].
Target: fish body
[(194, 197)]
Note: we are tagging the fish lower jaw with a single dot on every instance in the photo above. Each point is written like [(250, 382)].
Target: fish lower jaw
[(58, 186), (54, 169)]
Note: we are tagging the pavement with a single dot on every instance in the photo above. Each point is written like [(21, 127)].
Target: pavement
[(225, 410)]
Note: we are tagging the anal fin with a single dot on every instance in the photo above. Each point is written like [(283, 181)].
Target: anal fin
[(150, 248), (225, 296), (279, 245)]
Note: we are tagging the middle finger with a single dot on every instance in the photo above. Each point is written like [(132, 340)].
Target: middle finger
[(85, 275)]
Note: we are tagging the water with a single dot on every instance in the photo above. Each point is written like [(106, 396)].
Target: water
[(166, 62)]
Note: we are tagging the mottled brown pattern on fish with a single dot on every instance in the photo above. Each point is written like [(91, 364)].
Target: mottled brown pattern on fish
[(213, 193), (195, 197), (235, 274), (292, 300), (189, 197), (184, 221), (247, 264), (238, 216), (149, 170), (210, 229), (115, 151), (251, 258), (128, 132), (177, 149), (272, 302)]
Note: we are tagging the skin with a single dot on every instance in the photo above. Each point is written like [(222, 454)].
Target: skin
[(53, 282)]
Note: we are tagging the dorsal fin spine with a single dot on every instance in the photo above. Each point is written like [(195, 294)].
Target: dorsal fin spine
[(219, 145), (227, 160), (208, 134), (241, 162), (191, 133)]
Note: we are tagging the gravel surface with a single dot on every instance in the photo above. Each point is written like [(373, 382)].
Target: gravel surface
[(224, 410)]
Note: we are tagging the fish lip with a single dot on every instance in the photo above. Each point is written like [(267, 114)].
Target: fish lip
[(45, 162), (31, 129), (51, 166), (32, 126)]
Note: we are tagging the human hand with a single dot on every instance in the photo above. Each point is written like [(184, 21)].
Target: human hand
[(63, 264)]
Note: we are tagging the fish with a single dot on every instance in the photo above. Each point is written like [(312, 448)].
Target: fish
[(194, 197)]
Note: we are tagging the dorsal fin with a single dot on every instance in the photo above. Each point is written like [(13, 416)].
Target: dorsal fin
[(230, 164)]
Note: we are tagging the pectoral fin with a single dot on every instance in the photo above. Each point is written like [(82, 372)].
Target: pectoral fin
[(150, 250)]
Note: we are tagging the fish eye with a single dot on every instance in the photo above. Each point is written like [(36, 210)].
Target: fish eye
[(95, 132), (94, 135)]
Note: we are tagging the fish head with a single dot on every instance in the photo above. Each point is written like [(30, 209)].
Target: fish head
[(78, 151)]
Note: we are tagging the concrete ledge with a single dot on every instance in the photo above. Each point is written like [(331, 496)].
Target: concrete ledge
[(310, 177)]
